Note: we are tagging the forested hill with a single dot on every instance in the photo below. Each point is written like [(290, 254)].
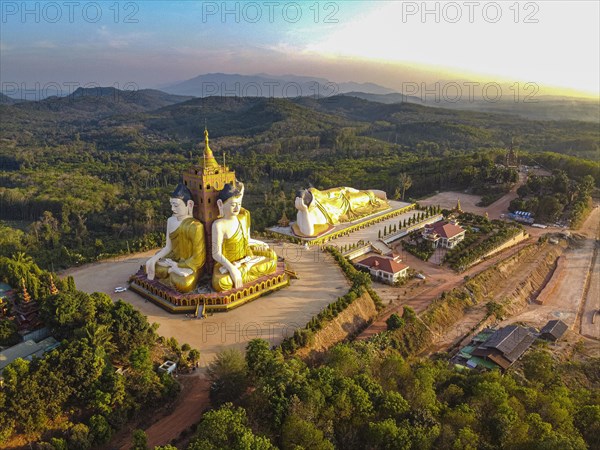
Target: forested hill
[(408, 124), (110, 118), (93, 103), (244, 117)]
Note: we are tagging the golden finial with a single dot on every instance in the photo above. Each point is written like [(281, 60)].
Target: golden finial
[(26, 296), (207, 149), (53, 288), (208, 157), (284, 221)]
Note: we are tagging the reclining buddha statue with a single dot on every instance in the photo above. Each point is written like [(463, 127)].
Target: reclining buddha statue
[(239, 259), (179, 264), (318, 211)]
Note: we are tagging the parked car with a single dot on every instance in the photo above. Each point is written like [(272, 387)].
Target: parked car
[(120, 289), (420, 276)]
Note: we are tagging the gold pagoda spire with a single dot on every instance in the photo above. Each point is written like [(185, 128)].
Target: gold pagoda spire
[(53, 288), (208, 159), (284, 221), (26, 296), (458, 208)]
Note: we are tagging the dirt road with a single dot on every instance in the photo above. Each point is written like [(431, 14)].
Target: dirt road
[(193, 401), (569, 299), (420, 297)]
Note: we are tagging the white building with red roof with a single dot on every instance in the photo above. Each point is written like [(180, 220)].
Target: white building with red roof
[(385, 269), (443, 234)]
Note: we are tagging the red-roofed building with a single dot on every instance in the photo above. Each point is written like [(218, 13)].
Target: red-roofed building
[(443, 234), (387, 270)]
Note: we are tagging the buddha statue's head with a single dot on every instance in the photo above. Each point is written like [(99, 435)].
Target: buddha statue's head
[(181, 201), (304, 196), (229, 200)]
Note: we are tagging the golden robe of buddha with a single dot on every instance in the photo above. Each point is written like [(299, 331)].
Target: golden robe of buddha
[(188, 251), (318, 211), (345, 204), (179, 263), (239, 259), (260, 261)]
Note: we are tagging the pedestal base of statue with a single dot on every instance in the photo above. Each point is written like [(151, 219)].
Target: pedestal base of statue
[(327, 232), (175, 302)]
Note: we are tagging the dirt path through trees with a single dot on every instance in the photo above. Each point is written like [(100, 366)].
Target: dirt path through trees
[(187, 412)]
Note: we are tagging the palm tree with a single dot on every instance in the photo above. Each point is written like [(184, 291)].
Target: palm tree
[(405, 183), (100, 339), (22, 257)]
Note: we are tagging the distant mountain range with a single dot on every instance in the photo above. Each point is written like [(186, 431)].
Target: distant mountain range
[(265, 85), (294, 86), (6, 100), (109, 100), (540, 108)]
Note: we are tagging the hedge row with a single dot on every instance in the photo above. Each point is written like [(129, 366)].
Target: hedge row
[(361, 283), (423, 250), (464, 257)]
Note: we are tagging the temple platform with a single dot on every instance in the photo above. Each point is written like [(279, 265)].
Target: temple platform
[(176, 302), (343, 229)]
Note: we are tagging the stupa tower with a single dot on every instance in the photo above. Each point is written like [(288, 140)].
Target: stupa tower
[(512, 158), (205, 180)]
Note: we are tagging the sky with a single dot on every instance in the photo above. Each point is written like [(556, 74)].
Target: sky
[(553, 45)]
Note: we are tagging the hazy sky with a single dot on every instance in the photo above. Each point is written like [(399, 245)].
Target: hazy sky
[(149, 43)]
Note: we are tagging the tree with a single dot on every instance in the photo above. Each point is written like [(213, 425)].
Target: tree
[(344, 360), (549, 208), (100, 339), (140, 440), (194, 356), (394, 322), (386, 435), (394, 405), (298, 433), (8, 333), (405, 183), (227, 428), (79, 437), (587, 421), (228, 374), (259, 358), (538, 367), (100, 429), (408, 314), (467, 440)]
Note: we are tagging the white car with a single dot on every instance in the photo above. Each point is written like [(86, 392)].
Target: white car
[(120, 289), (420, 276)]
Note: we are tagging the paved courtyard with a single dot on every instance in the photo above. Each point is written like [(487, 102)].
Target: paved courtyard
[(272, 317)]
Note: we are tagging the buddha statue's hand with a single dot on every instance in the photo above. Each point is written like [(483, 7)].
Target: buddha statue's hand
[(174, 268), (299, 204), (236, 276), (182, 271), (150, 264), (259, 246)]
